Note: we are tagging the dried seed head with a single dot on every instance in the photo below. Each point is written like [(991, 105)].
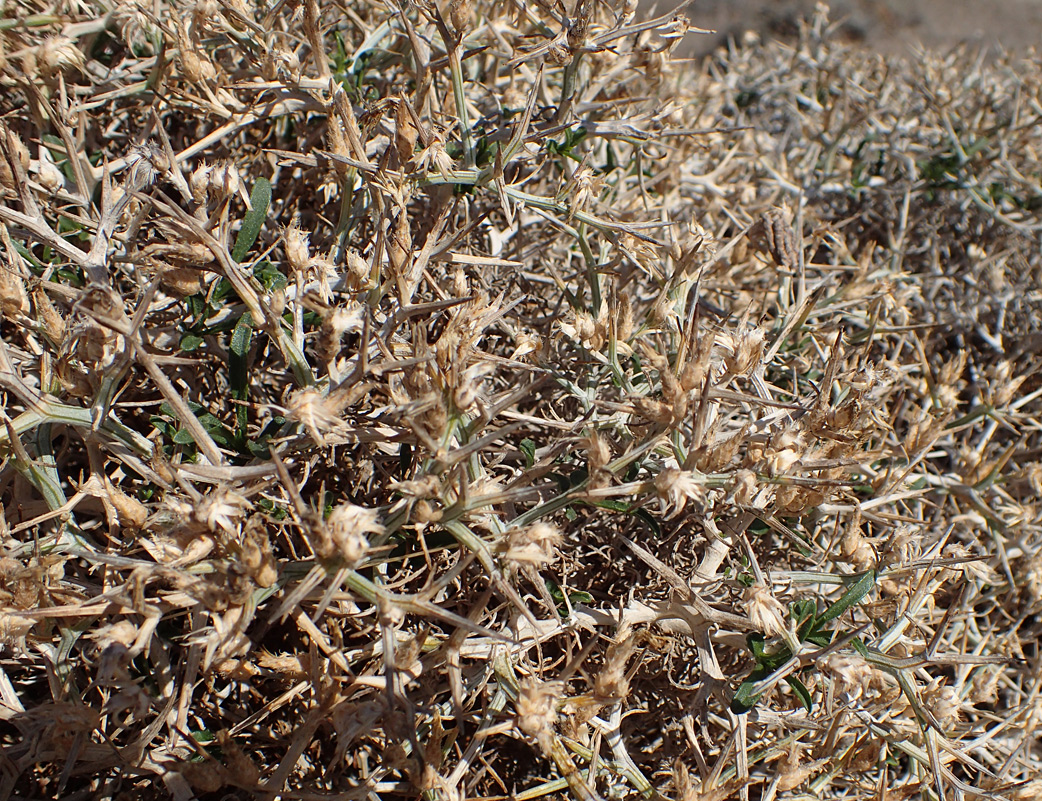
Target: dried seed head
[(255, 554), (122, 633), (943, 701), (359, 274), (343, 319), (579, 29), (676, 487), (132, 513), (975, 568), (537, 707), (225, 180), (296, 247), (745, 488), (341, 536), (765, 611), (460, 13), (221, 510), (56, 55), (984, 687), (470, 385), (698, 365), (526, 343), (317, 412), (791, 773), (199, 182), (50, 177), (586, 329), (427, 487), (405, 132), (558, 54), (598, 452), (13, 148), (785, 450), (720, 455), (535, 544), (14, 628), (902, 546), (855, 550), (195, 64), (748, 348), (241, 769), (852, 674), (14, 300), (399, 246), (624, 319), (611, 684)]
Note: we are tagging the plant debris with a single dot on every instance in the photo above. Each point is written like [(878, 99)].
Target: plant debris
[(474, 400)]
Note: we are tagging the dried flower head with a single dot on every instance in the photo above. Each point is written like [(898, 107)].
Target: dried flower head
[(342, 535), (14, 628), (534, 544), (296, 246), (765, 611), (537, 707), (221, 510), (57, 55), (676, 487)]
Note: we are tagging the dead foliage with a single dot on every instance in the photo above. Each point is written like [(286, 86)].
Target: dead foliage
[(471, 400)]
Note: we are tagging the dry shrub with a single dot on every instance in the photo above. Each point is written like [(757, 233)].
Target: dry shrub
[(457, 399)]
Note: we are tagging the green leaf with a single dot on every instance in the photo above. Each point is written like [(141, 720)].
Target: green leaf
[(238, 365), (190, 342), (802, 692), (649, 518), (527, 447), (555, 591), (260, 199), (574, 597), (614, 506), (851, 598), (270, 276), (579, 597), (242, 334), (744, 698)]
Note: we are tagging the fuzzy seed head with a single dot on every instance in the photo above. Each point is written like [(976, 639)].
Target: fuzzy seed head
[(221, 510), (747, 350), (341, 536), (359, 274), (943, 701), (57, 55), (676, 487), (611, 684), (316, 411), (131, 512), (199, 182), (535, 544), (296, 247), (14, 628), (195, 66), (765, 611), (745, 488), (537, 707)]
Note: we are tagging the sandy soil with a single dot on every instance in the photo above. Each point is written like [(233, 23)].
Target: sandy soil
[(894, 26)]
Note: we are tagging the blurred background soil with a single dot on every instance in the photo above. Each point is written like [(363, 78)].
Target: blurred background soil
[(889, 26)]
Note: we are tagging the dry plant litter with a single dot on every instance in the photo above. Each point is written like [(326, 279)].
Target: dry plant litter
[(474, 400)]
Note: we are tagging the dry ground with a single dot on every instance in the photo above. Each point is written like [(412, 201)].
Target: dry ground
[(897, 27), (468, 401)]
